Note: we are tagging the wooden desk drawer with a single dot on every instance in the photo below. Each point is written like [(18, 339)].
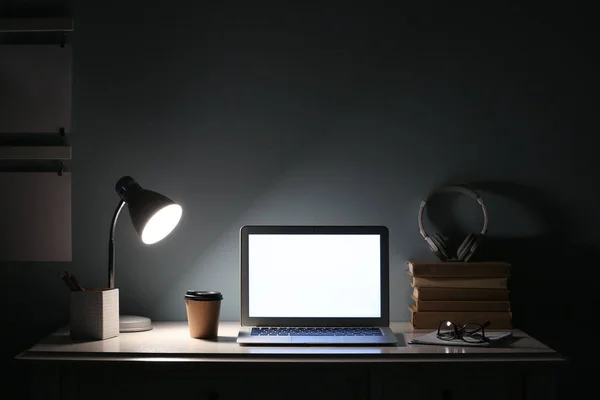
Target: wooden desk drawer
[(264, 381), (448, 381)]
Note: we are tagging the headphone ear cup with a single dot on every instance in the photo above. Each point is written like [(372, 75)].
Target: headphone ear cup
[(463, 249), (467, 247), (441, 245), (434, 246), (476, 241)]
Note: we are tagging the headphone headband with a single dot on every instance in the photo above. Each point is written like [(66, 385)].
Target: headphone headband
[(454, 189)]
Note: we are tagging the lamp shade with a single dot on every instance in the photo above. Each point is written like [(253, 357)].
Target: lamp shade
[(152, 214)]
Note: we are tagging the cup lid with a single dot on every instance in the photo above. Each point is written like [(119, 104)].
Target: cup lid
[(203, 295)]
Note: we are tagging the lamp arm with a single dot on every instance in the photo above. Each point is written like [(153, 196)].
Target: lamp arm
[(111, 245)]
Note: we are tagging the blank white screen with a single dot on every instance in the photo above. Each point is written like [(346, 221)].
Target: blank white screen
[(314, 276)]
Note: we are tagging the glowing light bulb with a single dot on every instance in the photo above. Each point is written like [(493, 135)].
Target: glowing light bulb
[(161, 223)]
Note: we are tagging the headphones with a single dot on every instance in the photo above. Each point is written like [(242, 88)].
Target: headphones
[(437, 244)]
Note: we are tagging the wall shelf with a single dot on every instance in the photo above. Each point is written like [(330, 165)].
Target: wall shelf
[(35, 152), (35, 216), (36, 24), (35, 87), (35, 123)]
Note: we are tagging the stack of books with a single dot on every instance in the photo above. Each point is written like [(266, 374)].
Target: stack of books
[(462, 292)]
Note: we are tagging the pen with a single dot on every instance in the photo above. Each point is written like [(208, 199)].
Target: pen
[(71, 282), (64, 276), (76, 283)]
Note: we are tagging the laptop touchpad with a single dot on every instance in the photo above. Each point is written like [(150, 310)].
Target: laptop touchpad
[(317, 340)]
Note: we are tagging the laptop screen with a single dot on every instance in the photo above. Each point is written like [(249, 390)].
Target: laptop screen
[(314, 275), (342, 271)]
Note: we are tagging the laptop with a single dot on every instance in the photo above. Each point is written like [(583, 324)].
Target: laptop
[(314, 285)]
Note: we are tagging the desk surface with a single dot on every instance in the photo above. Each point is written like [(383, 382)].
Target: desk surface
[(170, 341)]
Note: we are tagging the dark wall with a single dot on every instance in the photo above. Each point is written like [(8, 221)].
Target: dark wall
[(328, 115)]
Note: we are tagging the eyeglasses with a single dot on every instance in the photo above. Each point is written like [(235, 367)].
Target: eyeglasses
[(470, 332)]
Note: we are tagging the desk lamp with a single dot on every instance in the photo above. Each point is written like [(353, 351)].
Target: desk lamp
[(154, 216)]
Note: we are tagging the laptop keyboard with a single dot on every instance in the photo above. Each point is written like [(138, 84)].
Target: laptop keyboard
[(279, 331)]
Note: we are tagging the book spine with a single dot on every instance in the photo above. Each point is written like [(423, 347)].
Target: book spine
[(460, 269), (472, 283), (441, 305), (460, 294), (432, 319)]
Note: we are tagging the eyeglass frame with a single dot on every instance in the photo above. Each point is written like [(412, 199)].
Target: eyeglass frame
[(459, 331)]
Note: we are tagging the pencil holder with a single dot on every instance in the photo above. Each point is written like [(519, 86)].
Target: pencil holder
[(94, 314)]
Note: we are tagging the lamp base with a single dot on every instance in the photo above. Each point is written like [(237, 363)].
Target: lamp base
[(134, 323)]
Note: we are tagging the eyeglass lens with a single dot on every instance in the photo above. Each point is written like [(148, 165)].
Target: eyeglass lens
[(447, 330), (473, 333)]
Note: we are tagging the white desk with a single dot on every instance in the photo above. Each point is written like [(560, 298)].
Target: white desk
[(166, 362)]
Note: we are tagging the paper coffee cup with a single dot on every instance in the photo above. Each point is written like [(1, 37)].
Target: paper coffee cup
[(203, 310)]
